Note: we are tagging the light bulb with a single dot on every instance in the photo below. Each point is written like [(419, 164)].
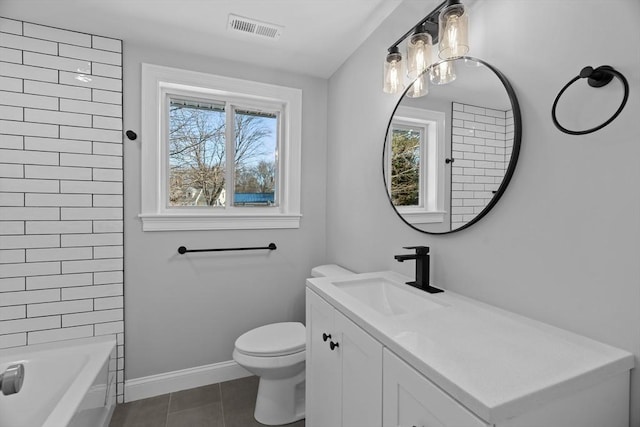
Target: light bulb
[(419, 87), (452, 30), (394, 76), (418, 54)]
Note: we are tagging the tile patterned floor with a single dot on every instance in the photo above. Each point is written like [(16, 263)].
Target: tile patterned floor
[(228, 404)]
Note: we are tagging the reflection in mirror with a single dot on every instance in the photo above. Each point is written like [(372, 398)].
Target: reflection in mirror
[(406, 147), (449, 155), (416, 164)]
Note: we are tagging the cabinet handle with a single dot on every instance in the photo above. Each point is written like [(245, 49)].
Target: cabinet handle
[(333, 345), (325, 337)]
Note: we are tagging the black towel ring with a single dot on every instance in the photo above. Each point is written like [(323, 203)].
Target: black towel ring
[(599, 77)]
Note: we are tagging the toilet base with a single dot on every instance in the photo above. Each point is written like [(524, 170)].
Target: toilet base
[(276, 404)]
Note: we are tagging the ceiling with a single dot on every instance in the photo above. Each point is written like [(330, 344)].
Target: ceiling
[(318, 35)]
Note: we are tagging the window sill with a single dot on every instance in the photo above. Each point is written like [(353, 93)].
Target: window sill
[(422, 217), (185, 222)]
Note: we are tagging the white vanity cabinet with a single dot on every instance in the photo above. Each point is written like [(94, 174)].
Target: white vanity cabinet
[(343, 370), (380, 353), (411, 400)]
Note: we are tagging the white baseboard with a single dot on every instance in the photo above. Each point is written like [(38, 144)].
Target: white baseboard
[(169, 382)]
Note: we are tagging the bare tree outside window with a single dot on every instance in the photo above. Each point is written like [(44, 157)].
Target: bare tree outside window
[(405, 167), (198, 153)]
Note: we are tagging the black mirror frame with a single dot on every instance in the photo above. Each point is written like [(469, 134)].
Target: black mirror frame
[(517, 140)]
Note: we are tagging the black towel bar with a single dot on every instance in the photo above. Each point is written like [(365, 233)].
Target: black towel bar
[(183, 250)]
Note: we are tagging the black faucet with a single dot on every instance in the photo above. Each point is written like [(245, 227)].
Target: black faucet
[(422, 268)]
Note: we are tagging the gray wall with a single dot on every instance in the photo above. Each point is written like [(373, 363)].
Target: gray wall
[(187, 311), (562, 244)]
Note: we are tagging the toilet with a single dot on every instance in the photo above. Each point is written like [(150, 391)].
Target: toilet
[(276, 353)]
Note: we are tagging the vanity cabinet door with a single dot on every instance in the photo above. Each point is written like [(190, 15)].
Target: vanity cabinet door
[(344, 372), (323, 376), (361, 359), (411, 400)]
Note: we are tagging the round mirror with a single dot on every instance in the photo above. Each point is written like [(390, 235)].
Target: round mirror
[(448, 156)]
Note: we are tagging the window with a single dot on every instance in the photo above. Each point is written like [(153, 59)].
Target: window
[(218, 153), (202, 144), (415, 164)]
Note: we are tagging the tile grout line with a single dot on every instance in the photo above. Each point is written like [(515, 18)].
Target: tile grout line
[(224, 423), (166, 418)]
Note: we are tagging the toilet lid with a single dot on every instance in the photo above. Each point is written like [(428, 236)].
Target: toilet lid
[(276, 339)]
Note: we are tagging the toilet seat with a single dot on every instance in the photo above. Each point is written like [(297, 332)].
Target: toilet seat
[(269, 362), (276, 339)]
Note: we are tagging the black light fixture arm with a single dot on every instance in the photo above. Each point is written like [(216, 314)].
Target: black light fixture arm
[(429, 23)]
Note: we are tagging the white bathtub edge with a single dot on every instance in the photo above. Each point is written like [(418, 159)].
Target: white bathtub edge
[(169, 382), (66, 408)]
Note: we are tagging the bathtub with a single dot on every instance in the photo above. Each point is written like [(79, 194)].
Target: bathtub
[(66, 384)]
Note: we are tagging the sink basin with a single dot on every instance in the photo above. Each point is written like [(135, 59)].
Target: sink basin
[(386, 297)]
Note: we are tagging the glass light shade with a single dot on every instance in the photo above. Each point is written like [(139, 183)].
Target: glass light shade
[(442, 73), (393, 73), (453, 33), (419, 87), (418, 54)]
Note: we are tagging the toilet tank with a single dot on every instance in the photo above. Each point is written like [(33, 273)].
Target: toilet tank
[(330, 270)]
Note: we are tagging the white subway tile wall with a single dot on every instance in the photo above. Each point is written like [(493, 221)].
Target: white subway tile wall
[(61, 199), (482, 141)]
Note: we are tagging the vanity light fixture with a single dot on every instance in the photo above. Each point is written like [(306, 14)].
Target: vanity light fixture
[(447, 24)]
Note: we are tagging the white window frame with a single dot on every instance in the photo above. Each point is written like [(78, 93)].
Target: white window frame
[(158, 85), (432, 148)]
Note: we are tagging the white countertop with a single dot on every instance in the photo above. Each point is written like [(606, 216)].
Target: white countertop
[(496, 363)]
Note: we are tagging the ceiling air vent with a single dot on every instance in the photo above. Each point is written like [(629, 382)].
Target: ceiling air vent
[(251, 26)]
